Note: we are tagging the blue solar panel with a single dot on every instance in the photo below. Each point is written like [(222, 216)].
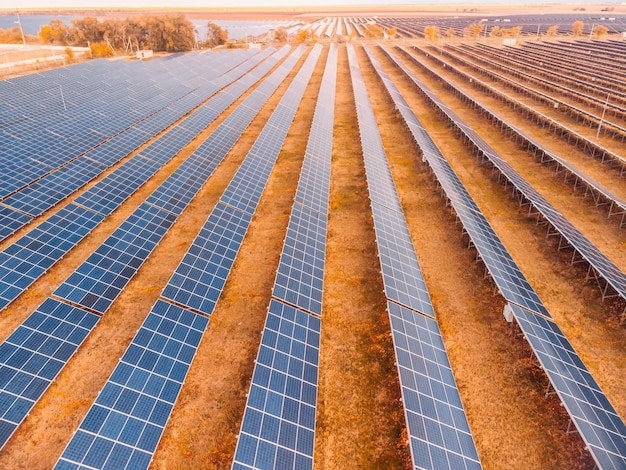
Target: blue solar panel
[(402, 275), (123, 427), (300, 277), (438, 429), (32, 356), (600, 426), (28, 258), (279, 419), (11, 220), (100, 279), (439, 433), (200, 277), (278, 426), (45, 193)]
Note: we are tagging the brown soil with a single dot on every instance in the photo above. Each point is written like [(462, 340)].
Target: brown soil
[(360, 420)]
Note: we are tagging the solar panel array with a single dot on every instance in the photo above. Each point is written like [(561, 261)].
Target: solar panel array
[(278, 426), (19, 268), (438, 430), (591, 412), (96, 283), (155, 354), (617, 206), (48, 173), (598, 260)]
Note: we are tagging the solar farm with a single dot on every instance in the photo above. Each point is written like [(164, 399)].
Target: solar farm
[(364, 253)]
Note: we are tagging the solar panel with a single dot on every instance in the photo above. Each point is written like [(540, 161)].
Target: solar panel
[(98, 281), (437, 426), (32, 255), (124, 425), (93, 442), (200, 277), (438, 430), (600, 427), (278, 425), (32, 356), (598, 423), (279, 421), (300, 276), (11, 220)]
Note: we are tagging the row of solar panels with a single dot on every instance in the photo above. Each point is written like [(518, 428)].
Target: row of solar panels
[(595, 418), (105, 438), (554, 87), (589, 146), (278, 425), (530, 24), (549, 59), (20, 265), (605, 268), (438, 430), (616, 204), (96, 283), (558, 76), (42, 188)]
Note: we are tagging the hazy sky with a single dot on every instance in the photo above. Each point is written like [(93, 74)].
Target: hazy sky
[(8, 4)]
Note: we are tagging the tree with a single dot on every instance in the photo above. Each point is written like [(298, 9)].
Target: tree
[(450, 32), (600, 30), (577, 28), (215, 35), (56, 32), (87, 30), (169, 33), (431, 32), (391, 32), (495, 31), (552, 31), (373, 31), (281, 35), (474, 30), (69, 54), (515, 31)]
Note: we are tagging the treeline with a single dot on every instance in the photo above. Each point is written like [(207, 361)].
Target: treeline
[(169, 33), (14, 36)]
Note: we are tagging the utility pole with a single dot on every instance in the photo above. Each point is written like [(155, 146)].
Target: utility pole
[(606, 103), (19, 21)]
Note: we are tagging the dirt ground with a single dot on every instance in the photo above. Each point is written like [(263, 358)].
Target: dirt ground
[(360, 417)]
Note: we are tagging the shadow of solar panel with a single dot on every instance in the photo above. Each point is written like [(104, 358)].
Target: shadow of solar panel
[(595, 418), (279, 420), (133, 407), (32, 356)]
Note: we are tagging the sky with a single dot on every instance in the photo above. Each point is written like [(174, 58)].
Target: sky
[(191, 3), (22, 4)]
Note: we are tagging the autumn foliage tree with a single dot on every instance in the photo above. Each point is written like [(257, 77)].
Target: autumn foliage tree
[(431, 32), (474, 30), (600, 31), (577, 28), (552, 31), (450, 32), (170, 33), (215, 35)]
